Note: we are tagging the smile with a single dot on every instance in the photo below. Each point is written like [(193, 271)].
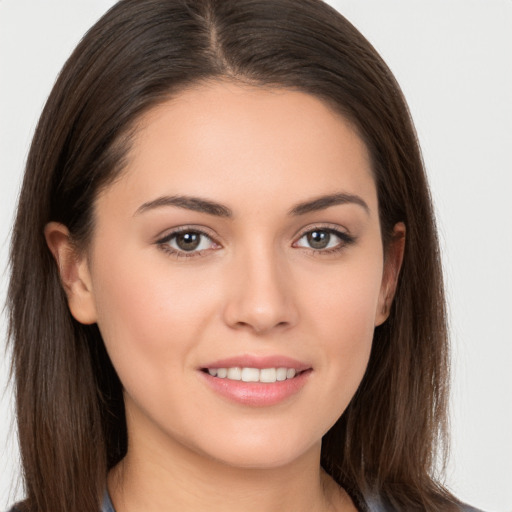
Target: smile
[(265, 375)]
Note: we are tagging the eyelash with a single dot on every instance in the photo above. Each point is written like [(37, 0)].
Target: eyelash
[(345, 239), (163, 243)]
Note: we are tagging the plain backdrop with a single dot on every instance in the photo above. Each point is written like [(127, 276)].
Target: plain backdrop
[(453, 59)]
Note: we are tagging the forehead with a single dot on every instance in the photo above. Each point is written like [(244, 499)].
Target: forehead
[(234, 141)]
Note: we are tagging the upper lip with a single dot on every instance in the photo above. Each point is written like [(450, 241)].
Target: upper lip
[(260, 362)]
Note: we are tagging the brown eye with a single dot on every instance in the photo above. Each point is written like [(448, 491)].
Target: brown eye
[(326, 240), (318, 239), (188, 241)]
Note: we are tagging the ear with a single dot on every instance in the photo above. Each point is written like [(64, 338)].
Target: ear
[(393, 257), (74, 272)]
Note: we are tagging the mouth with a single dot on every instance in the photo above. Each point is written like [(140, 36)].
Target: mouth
[(257, 381), (248, 374)]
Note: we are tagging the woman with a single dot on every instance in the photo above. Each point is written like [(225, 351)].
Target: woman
[(226, 252)]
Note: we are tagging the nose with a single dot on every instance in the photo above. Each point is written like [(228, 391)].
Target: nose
[(260, 297)]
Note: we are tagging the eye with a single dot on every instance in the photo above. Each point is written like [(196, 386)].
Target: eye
[(324, 239), (186, 242)]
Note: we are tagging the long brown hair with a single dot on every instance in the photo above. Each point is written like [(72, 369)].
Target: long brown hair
[(69, 399)]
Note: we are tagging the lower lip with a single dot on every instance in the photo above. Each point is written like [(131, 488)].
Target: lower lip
[(257, 394)]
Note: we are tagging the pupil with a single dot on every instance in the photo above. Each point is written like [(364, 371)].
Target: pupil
[(319, 239), (188, 241)]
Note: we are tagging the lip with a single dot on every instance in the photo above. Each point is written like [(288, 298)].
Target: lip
[(260, 362), (257, 394)]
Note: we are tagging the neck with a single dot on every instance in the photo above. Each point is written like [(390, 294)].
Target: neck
[(152, 480)]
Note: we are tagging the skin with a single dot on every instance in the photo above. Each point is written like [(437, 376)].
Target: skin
[(255, 287)]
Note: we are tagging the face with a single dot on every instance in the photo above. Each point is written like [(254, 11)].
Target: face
[(236, 273)]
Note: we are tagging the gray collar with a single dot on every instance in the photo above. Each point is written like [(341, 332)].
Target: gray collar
[(107, 506)]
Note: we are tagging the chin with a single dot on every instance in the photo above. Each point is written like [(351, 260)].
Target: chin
[(259, 459), (262, 451)]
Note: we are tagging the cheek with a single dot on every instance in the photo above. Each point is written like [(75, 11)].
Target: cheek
[(151, 320), (148, 318), (341, 314), (343, 300)]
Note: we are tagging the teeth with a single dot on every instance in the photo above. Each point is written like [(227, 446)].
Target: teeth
[(281, 374), (235, 373), (267, 375), (250, 374), (290, 373)]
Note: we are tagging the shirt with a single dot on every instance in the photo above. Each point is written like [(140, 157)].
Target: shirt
[(371, 506)]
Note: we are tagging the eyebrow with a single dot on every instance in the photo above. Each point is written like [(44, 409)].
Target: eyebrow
[(323, 202), (201, 205), (189, 203)]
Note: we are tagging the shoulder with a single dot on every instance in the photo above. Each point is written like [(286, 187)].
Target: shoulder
[(372, 504), (468, 508), (106, 506)]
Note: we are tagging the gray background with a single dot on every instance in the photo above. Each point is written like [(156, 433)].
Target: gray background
[(453, 59)]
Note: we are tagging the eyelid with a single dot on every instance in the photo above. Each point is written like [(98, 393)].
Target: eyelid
[(334, 228), (163, 240), (170, 232), (342, 233)]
